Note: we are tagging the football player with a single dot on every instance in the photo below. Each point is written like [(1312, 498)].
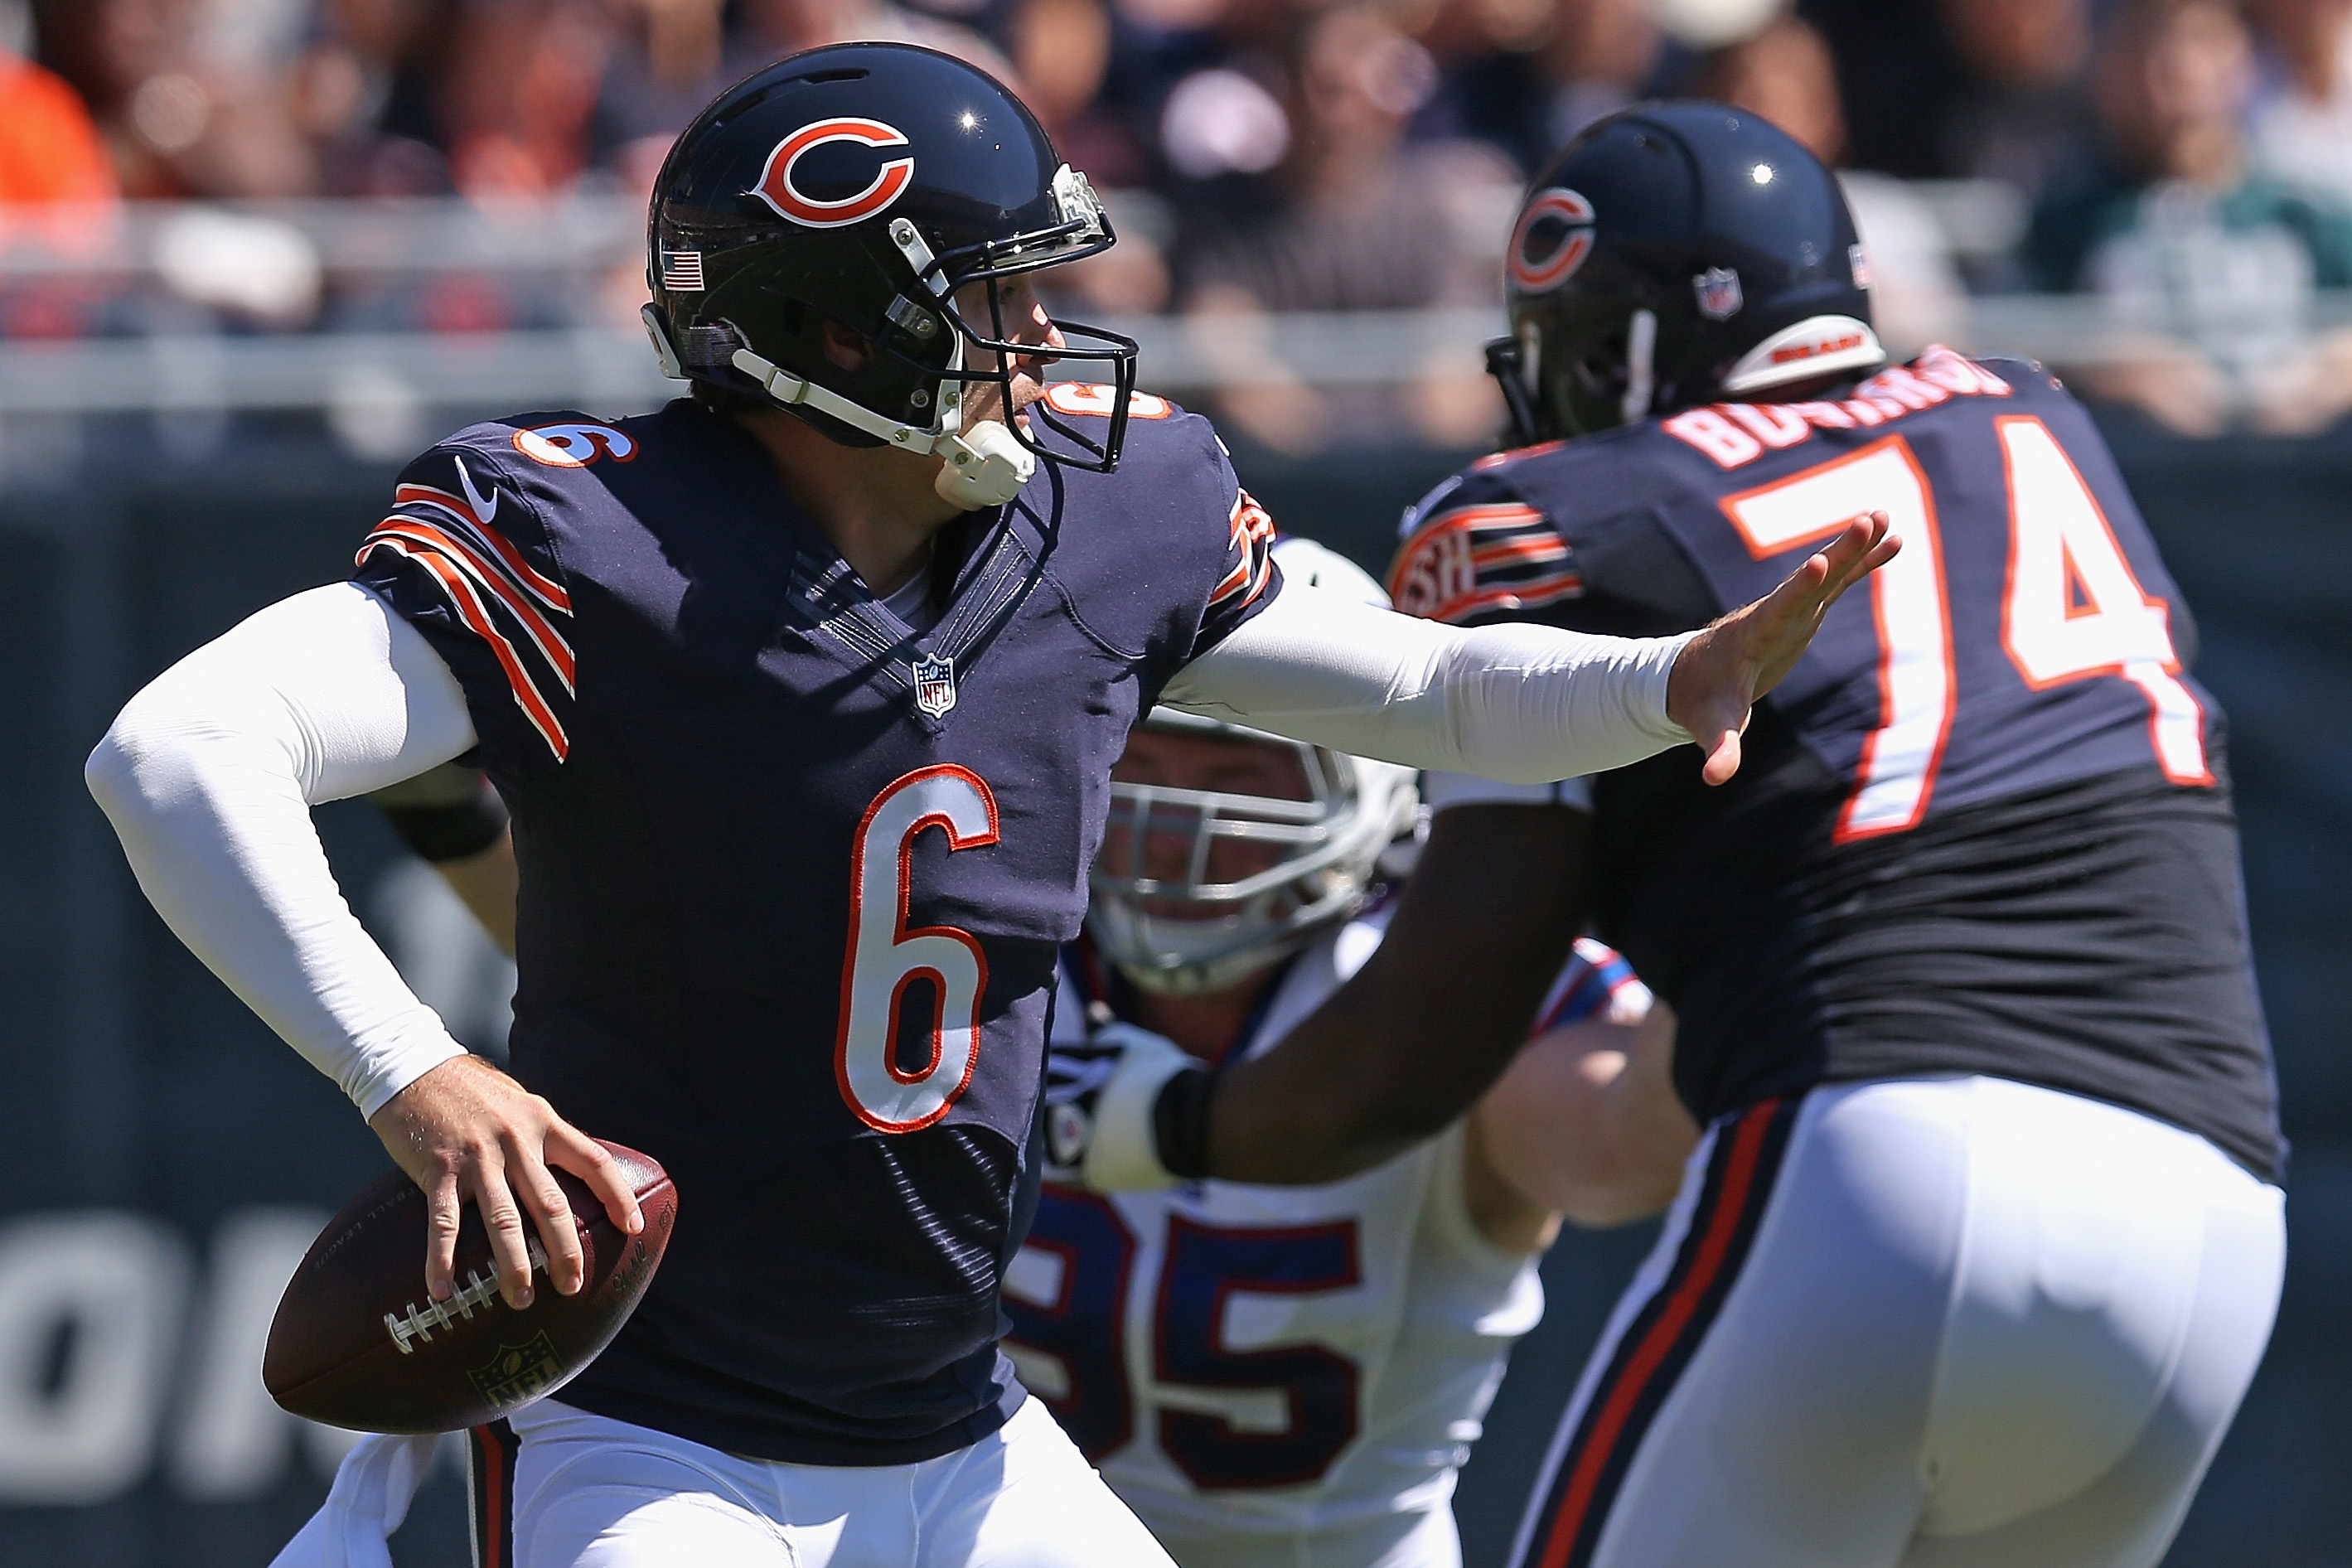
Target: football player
[(1271, 1375), (1983, 1242), (803, 693)]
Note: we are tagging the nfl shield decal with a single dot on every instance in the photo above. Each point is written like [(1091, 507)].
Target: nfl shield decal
[(1717, 289), (935, 685)]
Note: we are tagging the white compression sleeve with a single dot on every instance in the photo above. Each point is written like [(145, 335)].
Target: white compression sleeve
[(209, 774), (1524, 704)]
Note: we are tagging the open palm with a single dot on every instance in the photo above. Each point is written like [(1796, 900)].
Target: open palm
[(1722, 671)]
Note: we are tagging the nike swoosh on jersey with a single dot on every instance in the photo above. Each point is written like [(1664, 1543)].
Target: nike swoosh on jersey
[(484, 507)]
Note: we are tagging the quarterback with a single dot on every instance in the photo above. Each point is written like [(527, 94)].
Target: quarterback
[(1983, 1242), (803, 694)]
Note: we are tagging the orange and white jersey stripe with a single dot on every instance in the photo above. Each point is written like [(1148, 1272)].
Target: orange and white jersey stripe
[(518, 610), (1471, 561), (1250, 561)]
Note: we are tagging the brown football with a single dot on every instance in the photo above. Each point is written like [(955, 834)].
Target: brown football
[(358, 1344)]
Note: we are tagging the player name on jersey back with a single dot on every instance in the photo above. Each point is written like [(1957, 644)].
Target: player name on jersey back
[(1854, 903)]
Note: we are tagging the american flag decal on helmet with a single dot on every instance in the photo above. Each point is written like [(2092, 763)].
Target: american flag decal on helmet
[(1471, 561), (682, 270), (474, 570)]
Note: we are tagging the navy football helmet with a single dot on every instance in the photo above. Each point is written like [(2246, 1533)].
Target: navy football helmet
[(865, 185), (1674, 254)]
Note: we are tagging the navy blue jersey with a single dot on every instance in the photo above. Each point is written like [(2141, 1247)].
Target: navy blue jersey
[(793, 877), (1982, 827)]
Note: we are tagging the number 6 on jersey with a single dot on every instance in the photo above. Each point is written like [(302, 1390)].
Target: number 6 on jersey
[(885, 956)]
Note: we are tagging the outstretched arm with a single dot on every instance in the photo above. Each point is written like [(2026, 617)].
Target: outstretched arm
[(1431, 1022), (1524, 704), (209, 775)]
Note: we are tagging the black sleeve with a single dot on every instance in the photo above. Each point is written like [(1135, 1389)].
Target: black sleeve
[(443, 814)]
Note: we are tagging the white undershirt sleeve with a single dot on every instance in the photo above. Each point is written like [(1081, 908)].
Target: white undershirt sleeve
[(209, 774), (1524, 704)]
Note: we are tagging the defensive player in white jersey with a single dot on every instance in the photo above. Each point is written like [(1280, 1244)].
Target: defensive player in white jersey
[(1288, 1377)]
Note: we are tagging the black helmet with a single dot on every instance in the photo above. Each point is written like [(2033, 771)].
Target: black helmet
[(1673, 254), (864, 184)]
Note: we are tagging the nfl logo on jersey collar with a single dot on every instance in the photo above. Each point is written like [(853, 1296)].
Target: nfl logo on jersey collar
[(935, 690)]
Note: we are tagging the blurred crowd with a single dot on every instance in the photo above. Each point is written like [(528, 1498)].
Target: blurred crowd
[(2186, 163)]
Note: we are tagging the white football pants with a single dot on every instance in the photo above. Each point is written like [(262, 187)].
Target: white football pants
[(590, 1492), (1949, 1322)]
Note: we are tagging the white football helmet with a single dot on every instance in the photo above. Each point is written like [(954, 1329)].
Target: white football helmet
[(1173, 911)]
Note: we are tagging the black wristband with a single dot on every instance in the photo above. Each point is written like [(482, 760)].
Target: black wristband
[(1179, 1124), (457, 832)]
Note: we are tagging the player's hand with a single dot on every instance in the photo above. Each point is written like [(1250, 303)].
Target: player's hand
[(1099, 1098), (465, 1131), (1721, 672)]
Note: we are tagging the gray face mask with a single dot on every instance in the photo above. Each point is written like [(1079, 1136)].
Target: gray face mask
[(1184, 930)]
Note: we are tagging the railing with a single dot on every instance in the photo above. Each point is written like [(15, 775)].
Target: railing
[(205, 302)]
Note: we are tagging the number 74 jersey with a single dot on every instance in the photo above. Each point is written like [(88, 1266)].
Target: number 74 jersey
[(1982, 827), (2027, 634)]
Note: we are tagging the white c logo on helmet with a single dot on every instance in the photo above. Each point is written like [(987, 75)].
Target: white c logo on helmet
[(776, 187), (1539, 262)]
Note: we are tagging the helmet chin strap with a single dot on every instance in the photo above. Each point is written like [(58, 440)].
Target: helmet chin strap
[(985, 466), (1641, 367)]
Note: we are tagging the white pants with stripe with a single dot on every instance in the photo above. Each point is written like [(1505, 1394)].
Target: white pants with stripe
[(1949, 1322), (590, 1492)]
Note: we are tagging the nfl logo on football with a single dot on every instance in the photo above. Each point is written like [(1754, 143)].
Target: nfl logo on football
[(518, 1373), (935, 685), (1718, 293)]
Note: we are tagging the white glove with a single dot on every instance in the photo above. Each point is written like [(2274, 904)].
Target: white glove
[(1099, 1097)]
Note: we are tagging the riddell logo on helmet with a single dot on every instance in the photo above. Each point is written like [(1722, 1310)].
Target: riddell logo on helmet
[(777, 189), (1553, 237)]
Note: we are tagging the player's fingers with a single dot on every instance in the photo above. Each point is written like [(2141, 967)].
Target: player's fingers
[(575, 1151), (509, 1242), (1722, 758), (1841, 562), (551, 1214), (1798, 598), (1788, 618), (444, 1204), (1866, 546)]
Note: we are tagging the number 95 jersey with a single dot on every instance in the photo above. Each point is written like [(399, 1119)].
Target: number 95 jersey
[(794, 874), (1984, 826), (1273, 1377)]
